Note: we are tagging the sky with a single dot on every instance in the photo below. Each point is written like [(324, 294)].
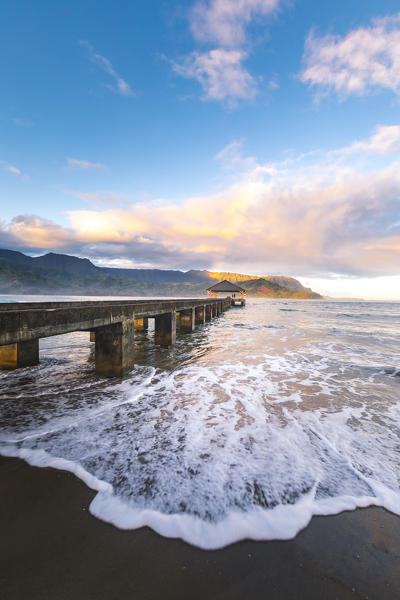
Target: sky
[(256, 136)]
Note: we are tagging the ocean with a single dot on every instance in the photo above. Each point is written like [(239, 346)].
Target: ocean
[(248, 427)]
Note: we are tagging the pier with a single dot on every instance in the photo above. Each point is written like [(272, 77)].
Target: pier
[(111, 325)]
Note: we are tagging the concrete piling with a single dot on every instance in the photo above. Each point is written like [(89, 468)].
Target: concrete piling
[(165, 329), (114, 349), (141, 324), (187, 320), (21, 354), (200, 315)]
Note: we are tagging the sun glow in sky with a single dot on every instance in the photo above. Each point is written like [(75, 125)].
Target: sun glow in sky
[(258, 136)]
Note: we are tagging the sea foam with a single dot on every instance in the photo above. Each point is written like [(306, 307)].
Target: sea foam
[(238, 432)]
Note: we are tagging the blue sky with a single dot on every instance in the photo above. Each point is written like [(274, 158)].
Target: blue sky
[(260, 136)]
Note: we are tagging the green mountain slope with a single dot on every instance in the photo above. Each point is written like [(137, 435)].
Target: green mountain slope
[(267, 288), (62, 274)]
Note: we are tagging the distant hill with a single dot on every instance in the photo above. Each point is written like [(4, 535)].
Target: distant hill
[(266, 287), (288, 283), (63, 274), (160, 275)]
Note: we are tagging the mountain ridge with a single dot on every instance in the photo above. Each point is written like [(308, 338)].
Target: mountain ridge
[(67, 274)]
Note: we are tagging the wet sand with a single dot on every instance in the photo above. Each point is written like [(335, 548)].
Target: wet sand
[(53, 549)]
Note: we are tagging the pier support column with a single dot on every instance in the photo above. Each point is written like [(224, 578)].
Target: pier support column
[(165, 329), (187, 319), (208, 312), (142, 324), (200, 315), (92, 336), (114, 349), (21, 354)]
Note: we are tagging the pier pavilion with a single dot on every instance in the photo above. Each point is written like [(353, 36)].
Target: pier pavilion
[(227, 289), (111, 325)]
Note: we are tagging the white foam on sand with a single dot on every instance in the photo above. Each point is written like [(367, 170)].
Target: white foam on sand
[(279, 523), (40, 458)]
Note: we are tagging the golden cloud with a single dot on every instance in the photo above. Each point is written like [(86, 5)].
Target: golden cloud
[(300, 219)]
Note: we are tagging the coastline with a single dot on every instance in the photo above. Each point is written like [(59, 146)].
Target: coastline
[(52, 547)]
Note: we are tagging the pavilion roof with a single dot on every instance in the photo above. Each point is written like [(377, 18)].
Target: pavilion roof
[(225, 286)]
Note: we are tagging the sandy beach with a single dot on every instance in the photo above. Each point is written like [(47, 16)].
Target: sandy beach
[(52, 548)]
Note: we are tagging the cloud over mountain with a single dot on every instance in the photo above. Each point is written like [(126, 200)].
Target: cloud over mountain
[(305, 215)]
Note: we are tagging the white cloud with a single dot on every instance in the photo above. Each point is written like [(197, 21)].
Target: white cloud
[(273, 83), (384, 141), (224, 21), (364, 60), (220, 70), (231, 157), (85, 164), (34, 231), (13, 170), (121, 86), (220, 73)]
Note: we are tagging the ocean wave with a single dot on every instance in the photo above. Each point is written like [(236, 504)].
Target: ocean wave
[(354, 315)]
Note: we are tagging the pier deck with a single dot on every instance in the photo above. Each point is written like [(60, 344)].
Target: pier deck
[(111, 323)]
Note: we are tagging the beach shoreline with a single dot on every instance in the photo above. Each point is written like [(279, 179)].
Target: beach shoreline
[(52, 547)]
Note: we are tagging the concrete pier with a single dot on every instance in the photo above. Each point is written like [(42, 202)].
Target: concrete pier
[(111, 325)]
